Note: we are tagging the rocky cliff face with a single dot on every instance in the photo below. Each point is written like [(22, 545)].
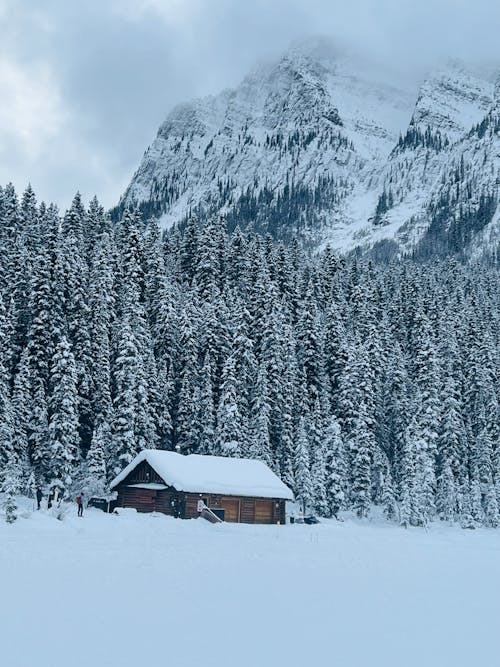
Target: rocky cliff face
[(326, 147)]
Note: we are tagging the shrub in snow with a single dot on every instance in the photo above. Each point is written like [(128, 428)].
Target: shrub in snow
[(59, 512), (10, 487), (492, 515), (10, 508)]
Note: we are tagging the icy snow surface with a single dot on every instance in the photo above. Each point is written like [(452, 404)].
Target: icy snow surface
[(130, 590), (211, 474)]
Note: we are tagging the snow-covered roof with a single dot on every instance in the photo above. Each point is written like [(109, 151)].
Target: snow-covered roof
[(211, 474), (149, 485)]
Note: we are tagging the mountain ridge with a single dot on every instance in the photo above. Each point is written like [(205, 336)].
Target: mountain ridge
[(322, 146)]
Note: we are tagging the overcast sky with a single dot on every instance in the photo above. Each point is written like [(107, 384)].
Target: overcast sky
[(85, 84)]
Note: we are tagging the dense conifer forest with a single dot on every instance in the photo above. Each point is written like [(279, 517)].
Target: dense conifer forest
[(359, 384)]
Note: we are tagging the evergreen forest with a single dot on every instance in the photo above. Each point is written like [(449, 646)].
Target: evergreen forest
[(360, 384)]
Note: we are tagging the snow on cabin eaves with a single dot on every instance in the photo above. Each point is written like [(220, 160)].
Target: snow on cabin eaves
[(211, 474)]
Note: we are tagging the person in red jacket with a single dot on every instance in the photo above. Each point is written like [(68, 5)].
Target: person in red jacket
[(79, 502)]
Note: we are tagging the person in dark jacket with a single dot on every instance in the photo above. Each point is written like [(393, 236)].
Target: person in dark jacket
[(39, 497)]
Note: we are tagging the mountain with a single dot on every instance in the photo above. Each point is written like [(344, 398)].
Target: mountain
[(335, 150)]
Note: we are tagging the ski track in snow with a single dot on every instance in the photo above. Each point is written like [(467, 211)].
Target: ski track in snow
[(141, 589)]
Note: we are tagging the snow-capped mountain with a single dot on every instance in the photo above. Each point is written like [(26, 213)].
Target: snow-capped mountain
[(335, 150)]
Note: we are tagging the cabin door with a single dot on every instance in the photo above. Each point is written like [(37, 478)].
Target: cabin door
[(231, 507), (146, 500), (263, 511)]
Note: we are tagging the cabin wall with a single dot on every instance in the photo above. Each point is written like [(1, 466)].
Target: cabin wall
[(142, 474), (238, 509), (166, 501)]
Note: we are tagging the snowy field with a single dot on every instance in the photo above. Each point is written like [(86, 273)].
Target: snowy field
[(136, 590)]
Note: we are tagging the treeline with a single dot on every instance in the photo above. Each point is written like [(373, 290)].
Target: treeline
[(428, 138), (358, 384)]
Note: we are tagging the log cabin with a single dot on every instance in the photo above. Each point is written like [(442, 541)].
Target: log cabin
[(235, 490)]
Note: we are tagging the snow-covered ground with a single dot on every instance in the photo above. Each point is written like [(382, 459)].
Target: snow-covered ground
[(146, 589)]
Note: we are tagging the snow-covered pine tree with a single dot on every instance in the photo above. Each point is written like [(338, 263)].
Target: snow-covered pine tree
[(206, 410), (72, 288), (228, 431), (187, 432), (41, 334), (467, 520), (285, 448), (492, 515), (102, 305), (38, 432), (302, 474), (95, 469), (360, 443), (336, 467), (446, 501), (410, 509), (63, 422), (11, 485), (388, 498), (309, 348), (22, 405), (125, 397), (260, 435), (320, 480)]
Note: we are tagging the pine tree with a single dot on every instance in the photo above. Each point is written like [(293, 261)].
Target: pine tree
[(410, 509), (102, 304), (95, 465), (360, 445), (388, 498), (40, 334), (336, 466), (72, 290), (476, 502), (452, 436), (302, 474), (7, 453), (467, 520), (446, 494), (260, 445), (206, 410), (320, 480), (63, 423), (228, 430), (492, 515), (309, 349), (187, 434), (285, 447), (21, 405), (125, 400), (38, 432), (10, 487)]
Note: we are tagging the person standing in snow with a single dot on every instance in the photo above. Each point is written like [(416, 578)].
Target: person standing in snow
[(79, 502), (39, 497)]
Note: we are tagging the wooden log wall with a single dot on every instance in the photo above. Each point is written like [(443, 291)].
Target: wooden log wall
[(237, 509), (143, 474)]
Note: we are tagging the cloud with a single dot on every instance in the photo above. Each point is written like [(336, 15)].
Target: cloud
[(33, 124), (84, 86)]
